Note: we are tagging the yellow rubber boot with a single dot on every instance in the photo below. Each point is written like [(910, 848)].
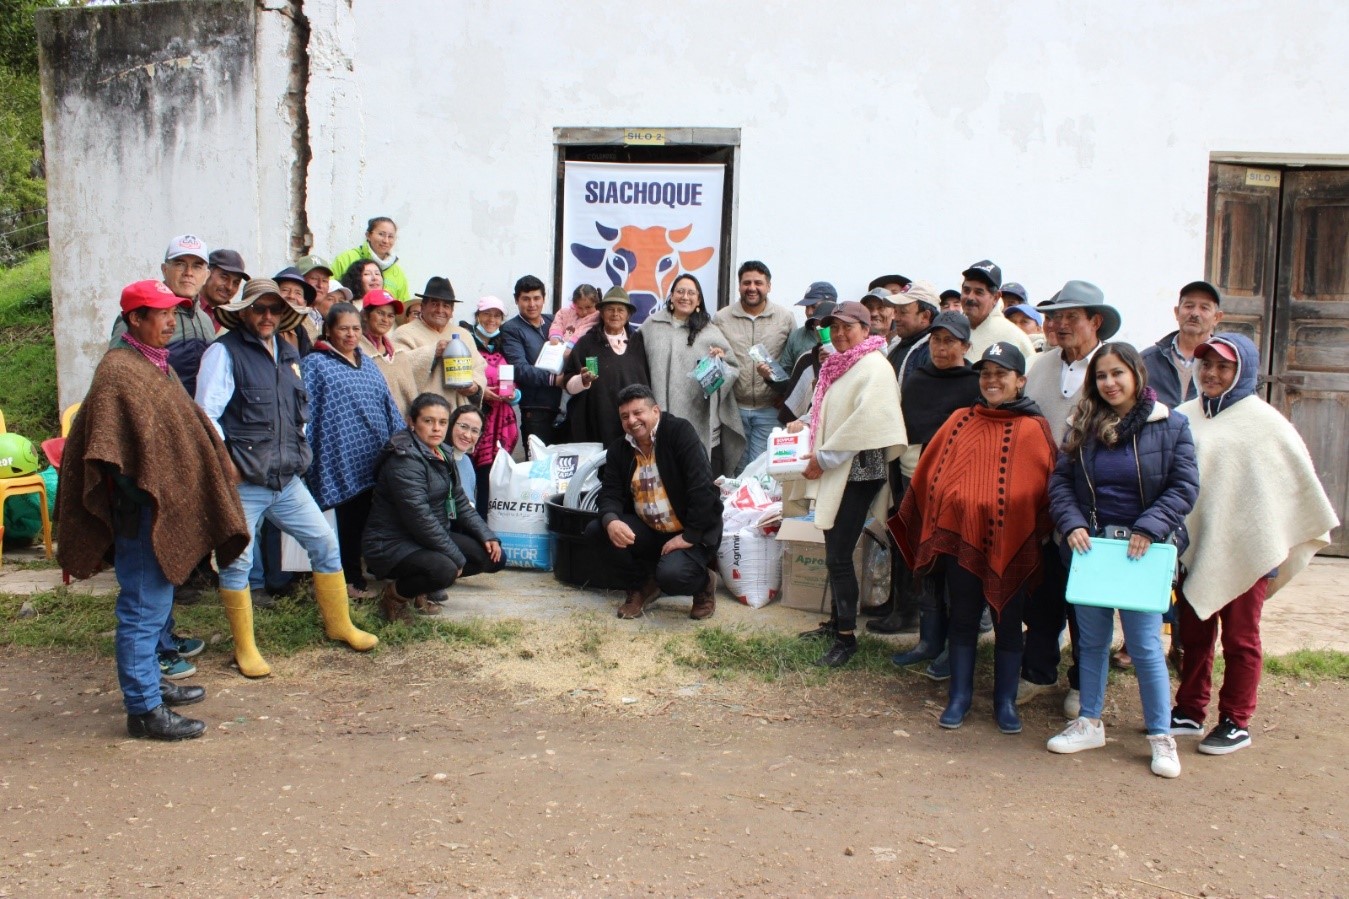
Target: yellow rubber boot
[(331, 592), (239, 610)]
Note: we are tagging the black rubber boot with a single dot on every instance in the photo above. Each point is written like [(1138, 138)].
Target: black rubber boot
[(962, 687), (881, 611), (931, 631), (1006, 678), (903, 617)]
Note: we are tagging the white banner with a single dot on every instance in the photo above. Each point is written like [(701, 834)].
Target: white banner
[(640, 227)]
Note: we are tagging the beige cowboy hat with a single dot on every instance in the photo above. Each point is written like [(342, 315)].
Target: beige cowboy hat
[(255, 290)]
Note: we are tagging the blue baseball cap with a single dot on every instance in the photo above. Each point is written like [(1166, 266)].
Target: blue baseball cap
[(1029, 311), (818, 292)]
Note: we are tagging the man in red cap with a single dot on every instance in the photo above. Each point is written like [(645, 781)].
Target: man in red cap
[(145, 475)]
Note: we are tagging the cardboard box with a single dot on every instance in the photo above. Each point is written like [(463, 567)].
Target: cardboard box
[(804, 573), (803, 570)]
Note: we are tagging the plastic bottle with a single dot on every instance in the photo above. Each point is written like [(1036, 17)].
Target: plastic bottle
[(457, 365)]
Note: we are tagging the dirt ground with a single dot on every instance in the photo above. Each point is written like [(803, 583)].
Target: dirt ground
[(577, 759)]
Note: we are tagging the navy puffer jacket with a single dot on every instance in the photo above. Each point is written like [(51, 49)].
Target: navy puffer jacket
[(1168, 480)]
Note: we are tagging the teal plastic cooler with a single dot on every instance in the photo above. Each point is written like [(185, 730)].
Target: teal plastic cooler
[(1107, 577)]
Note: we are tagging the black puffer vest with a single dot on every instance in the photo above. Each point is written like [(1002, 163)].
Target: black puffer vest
[(264, 420)]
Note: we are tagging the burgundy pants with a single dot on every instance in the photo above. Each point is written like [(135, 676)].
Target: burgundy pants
[(1242, 657)]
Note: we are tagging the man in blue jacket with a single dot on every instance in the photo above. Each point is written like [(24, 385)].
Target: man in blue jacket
[(660, 513), (522, 339), (1170, 361)]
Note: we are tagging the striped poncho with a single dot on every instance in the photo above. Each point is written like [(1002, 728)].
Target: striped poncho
[(351, 416)]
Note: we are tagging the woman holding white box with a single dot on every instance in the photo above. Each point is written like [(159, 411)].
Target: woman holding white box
[(858, 429)]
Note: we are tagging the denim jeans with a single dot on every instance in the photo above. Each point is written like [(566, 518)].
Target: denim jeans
[(293, 510), (266, 573), (144, 601), (757, 423), (1143, 634)]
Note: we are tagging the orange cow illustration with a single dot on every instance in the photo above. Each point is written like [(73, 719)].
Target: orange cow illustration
[(643, 261)]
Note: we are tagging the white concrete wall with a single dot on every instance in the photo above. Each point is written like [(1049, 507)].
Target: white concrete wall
[(1061, 139)]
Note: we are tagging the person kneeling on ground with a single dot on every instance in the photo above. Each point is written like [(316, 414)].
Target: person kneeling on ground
[(660, 513), (423, 533)]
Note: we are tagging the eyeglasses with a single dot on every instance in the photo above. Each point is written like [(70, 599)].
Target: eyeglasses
[(690, 292), (467, 428), (268, 309)]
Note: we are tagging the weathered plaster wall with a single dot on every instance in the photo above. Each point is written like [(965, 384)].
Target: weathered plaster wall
[(1063, 140), (152, 116)]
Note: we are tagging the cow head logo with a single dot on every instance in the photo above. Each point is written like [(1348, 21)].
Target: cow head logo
[(643, 261)]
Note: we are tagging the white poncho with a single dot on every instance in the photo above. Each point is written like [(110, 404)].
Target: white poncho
[(1260, 506)]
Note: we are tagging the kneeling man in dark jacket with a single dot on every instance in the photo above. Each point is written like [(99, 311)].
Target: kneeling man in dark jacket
[(660, 513)]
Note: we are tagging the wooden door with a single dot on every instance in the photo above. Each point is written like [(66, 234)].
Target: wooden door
[(1310, 358), (1243, 241)]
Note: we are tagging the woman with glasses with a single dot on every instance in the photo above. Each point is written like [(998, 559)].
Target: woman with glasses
[(676, 337), (423, 533)]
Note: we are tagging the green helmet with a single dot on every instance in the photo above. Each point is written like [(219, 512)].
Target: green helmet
[(17, 456)]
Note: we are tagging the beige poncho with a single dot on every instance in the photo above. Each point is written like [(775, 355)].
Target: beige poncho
[(1260, 506), (861, 411), (416, 336)]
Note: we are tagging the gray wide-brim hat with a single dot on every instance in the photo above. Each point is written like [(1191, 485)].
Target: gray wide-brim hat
[(1088, 297), (254, 290)]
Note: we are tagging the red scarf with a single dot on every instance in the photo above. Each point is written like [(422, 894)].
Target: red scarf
[(835, 366), (160, 357)]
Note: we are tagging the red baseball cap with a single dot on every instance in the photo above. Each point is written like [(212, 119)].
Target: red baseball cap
[(381, 297), (150, 295), (1221, 348)]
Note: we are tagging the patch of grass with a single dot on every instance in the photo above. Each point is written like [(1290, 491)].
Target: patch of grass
[(1310, 664), (28, 350), (725, 653), (38, 564), (77, 621)]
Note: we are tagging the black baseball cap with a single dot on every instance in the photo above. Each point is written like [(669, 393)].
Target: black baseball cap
[(954, 323), (888, 279), (1192, 287), (229, 261), (984, 270), (1005, 355)]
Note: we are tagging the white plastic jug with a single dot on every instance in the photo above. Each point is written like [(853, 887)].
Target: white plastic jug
[(786, 452)]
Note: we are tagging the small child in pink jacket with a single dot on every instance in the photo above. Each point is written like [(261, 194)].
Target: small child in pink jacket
[(573, 321)]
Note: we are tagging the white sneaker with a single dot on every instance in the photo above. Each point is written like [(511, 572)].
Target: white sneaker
[(1165, 762), (1072, 704), (1079, 735), (1026, 691)]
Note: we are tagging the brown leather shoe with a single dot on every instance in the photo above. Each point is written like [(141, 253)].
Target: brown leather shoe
[(705, 600), (633, 606), (639, 599), (393, 607), (425, 608)]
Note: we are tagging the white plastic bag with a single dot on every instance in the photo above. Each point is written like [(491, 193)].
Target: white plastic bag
[(520, 492), (294, 557)]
